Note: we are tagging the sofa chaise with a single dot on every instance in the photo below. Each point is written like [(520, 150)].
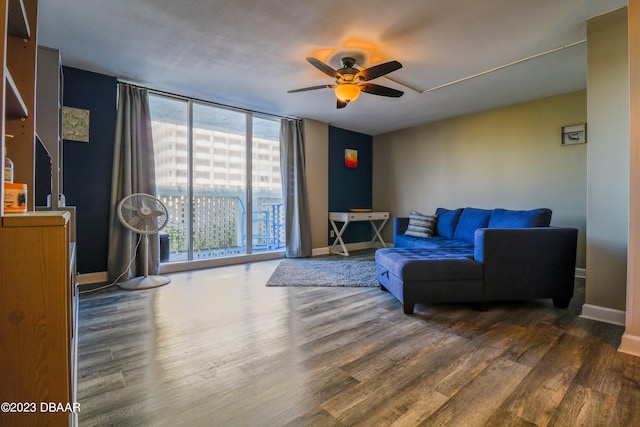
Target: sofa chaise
[(480, 256)]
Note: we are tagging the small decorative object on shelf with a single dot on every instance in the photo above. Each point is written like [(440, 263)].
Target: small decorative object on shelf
[(15, 197), (8, 170)]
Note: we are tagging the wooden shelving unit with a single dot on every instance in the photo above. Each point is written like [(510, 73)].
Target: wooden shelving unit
[(19, 75), (18, 23), (38, 294), (15, 107)]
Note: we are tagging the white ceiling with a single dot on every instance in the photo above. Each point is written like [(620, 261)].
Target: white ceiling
[(248, 54)]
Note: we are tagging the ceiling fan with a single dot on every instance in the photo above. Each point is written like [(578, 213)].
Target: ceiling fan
[(350, 81)]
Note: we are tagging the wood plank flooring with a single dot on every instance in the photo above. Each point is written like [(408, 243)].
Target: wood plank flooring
[(218, 348)]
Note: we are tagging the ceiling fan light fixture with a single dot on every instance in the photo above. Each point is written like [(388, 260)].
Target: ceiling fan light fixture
[(347, 92), (350, 81)]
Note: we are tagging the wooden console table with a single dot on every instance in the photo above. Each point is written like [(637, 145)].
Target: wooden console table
[(349, 217)]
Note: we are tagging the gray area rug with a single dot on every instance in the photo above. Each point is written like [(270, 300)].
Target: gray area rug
[(325, 272)]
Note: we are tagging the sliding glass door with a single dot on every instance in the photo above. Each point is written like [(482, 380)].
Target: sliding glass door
[(170, 129), (219, 184), (218, 172), (267, 227)]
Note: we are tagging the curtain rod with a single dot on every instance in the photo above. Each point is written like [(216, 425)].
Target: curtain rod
[(188, 98)]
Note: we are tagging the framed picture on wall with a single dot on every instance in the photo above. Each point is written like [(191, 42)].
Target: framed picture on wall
[(75, 124), (351, 158), (575, 134)]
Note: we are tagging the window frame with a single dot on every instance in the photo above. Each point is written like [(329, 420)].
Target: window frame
[(249, 255)]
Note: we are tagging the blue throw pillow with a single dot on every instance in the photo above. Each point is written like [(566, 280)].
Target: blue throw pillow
[(503, 218), (447, 221), (470, 220)]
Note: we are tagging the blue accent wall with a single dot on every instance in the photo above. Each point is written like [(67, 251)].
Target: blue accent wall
[(350, 188), (87, 166), (87, 169)]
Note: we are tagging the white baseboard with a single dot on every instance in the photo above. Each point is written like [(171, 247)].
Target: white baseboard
[(630, 344), (175, 267), (102, 277), (320, 251), (91, 278), (350, 247), (603, 314), (358, 245)]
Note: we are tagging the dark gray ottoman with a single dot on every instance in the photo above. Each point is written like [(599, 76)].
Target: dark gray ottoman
[(429, 275)]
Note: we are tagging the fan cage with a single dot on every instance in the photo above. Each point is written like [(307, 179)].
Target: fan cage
[(143, 213)]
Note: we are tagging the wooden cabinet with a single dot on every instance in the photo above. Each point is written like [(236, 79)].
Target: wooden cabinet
[(19, 28), (38, 309)]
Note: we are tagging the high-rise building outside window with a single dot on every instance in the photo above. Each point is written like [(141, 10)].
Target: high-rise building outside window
[(218, 173)]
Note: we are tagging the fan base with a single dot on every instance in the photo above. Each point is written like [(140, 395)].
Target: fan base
[(139, 283)]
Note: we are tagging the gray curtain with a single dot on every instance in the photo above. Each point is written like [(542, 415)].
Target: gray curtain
[(294, 189), (133, 172)]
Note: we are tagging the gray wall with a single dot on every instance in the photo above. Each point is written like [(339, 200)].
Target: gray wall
[(317, 172), (510, 157), (607, 160)]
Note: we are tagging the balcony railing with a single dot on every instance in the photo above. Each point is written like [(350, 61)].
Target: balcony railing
[(219, 225)]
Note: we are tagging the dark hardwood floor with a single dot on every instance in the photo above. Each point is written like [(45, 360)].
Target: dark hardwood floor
[(218, 348)]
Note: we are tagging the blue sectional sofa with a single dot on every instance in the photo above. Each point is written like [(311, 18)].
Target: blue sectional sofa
[(480, 255)]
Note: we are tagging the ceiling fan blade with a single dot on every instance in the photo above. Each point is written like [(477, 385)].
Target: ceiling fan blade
[(341, 104), (310, 88), (379, 70), (375, 89), (323, 67)]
